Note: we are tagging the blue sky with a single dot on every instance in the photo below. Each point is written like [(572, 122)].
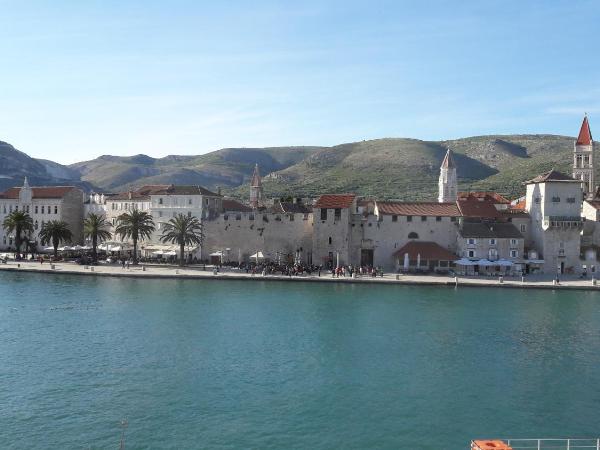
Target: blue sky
[(81, 79)]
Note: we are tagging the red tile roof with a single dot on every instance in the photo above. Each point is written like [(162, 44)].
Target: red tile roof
[(585, 134), (39, 192), (552, 175), (488, 196), (331, 201), (418, 209), (146, 191), (475, 207), (233, 205), (427, 250)]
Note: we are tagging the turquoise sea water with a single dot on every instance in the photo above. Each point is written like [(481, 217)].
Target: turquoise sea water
[(275, 365)]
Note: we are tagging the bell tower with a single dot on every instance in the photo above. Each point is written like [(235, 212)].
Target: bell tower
[(256, 190), (583, 159), (448, 183)]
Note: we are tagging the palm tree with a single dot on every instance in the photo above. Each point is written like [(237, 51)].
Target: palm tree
[(183, 230), (96, 227), (55, 232), (135, 225), (18, 222)]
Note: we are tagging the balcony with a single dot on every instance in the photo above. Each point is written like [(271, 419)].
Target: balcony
[(565, 222)]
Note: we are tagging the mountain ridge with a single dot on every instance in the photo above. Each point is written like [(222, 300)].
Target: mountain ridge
[(400, 168)]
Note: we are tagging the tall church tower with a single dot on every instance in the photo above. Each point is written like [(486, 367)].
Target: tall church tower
[(583, 159), (448, 183), (256, 190)]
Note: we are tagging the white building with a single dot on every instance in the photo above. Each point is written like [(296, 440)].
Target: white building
[(43, 204)]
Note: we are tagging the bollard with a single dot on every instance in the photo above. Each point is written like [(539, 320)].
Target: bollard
[(397, 276), (501, 279), (456, 281), (554, 282), (214, 271), (143, 268), (522, 279), (18, 266), (92, 268)]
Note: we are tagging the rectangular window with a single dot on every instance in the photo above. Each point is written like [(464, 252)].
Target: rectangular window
[(35, 209), (189, 214), (452, 219), (409, 218), (238, 216), (55, 209), (337, 215), (513, 242), (423, 218), (160, 201), (43, 209), (570, 199), (471, 241), (189, 201), (537, 200), (225, 217), (555, 199), (394, 218), (291, 217), (471, 254), (323, 213), (492, 241), (523, 228), (438, 219), (160, 214), (514, 253), (251, 216)]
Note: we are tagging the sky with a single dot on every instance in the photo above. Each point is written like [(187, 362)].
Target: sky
[(80, 79)]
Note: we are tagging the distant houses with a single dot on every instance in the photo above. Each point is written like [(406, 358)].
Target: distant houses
[(552, 228)]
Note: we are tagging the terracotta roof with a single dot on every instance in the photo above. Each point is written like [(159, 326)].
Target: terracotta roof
[(478, 207), (39, 192), (552, 175), (519, 203), (489, 230), (256, 181), (427, 250), (585, 134), (290, 207), (146, 191), (233, 205), (448, 162), (418, 209), (488, 196), (331, 201)]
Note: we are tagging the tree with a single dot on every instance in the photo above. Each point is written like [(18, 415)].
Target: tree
[(135, 225), (95, 227), (55, 232), (18, 222), (183, 230)]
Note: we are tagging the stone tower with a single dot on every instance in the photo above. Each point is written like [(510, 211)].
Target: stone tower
[(448, 183), (256, 190), (583, 159)]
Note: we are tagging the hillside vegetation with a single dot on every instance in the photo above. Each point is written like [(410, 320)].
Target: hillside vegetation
[(395, 168)]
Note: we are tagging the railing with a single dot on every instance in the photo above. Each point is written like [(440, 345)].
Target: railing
[(545, 444)]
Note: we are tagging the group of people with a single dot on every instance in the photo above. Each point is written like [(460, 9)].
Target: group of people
[(350, 271)]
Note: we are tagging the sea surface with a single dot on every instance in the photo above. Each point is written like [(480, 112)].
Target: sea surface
[(278, 365)]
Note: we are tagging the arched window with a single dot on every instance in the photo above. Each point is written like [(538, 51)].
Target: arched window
[(413, 235)]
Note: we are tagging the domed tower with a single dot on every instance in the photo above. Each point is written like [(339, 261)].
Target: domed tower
[(448, 182), (256, 190), (583, 159)]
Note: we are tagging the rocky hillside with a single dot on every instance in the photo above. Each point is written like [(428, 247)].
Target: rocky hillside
[(386, 168)]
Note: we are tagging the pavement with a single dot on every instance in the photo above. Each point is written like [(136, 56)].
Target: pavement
[(196, 272)]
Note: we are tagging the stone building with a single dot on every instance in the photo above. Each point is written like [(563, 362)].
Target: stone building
[(43, 203), (553, 201)]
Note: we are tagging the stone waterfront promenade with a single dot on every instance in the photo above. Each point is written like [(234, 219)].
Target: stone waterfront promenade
[(162, 271)]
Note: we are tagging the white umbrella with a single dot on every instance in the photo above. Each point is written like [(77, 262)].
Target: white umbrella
[(170, 253), (158, 252), (258, 255), (418, 260), (219, 253), (406, 261), (48, 249)]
